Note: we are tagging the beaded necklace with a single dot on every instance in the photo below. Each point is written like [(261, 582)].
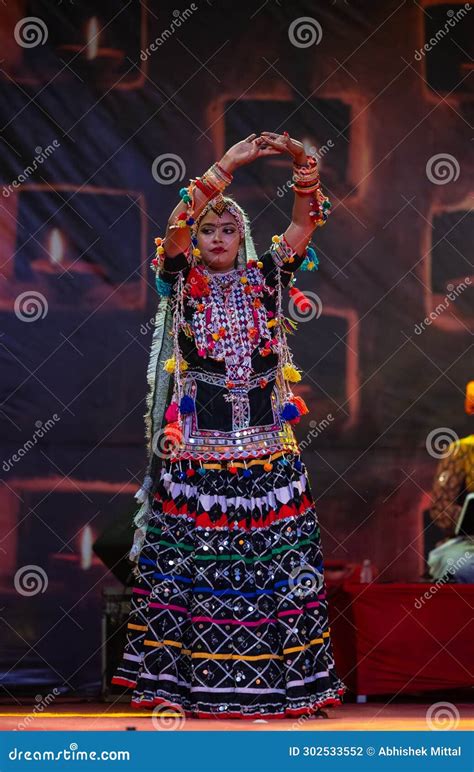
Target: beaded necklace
[(231, 320)]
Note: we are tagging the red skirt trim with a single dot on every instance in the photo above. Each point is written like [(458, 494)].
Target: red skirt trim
[(286, 510)]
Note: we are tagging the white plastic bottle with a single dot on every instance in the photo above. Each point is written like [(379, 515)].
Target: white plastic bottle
[(366, 574)]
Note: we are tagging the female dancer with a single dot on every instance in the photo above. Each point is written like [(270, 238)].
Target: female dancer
[(228, 616)]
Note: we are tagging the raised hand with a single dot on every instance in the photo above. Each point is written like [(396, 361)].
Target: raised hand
[(246, 151), (283, 143)]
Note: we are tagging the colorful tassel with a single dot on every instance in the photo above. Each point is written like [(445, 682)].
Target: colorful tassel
[(295, 420), (290, 373), (289, 412), (172, 412), (311, 261), (300, 404), (289, 325), (302, 303), (186, 405)]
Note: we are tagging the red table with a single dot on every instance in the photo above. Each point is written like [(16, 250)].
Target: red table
[(403, 638)]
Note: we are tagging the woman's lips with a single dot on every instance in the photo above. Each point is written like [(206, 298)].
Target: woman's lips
[(218, 250)]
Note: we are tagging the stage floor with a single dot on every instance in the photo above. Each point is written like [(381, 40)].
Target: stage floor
[(90, 716)]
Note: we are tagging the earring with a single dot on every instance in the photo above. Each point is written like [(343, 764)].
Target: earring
[(196, 256), (241, 260)]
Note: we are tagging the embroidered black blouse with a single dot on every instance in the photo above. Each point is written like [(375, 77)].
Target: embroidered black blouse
[(229, 422)]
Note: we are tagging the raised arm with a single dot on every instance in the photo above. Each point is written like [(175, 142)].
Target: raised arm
[(310, 207), (213, 182)]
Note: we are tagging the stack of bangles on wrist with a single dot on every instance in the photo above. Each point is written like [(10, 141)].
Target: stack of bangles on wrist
[(212, 183), (306, 182)]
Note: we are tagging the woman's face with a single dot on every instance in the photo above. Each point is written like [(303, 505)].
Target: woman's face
[(218, 239)]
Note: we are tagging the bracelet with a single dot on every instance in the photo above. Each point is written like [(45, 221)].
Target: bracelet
[(300, 166), (217, 177), (227, 174), (311, 163), (306, 182), (306, 175), (306, 189), (209, 190)]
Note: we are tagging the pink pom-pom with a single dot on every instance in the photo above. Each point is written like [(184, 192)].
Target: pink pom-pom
[(172, 412)]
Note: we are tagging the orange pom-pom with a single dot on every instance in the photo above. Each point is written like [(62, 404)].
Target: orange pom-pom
[(300, 404)]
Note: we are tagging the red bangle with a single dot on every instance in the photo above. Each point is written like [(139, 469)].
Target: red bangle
[(227, 174), (308, 166), (209, 190)]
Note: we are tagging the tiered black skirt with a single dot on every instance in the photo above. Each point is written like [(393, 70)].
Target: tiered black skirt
[(228, 616)]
